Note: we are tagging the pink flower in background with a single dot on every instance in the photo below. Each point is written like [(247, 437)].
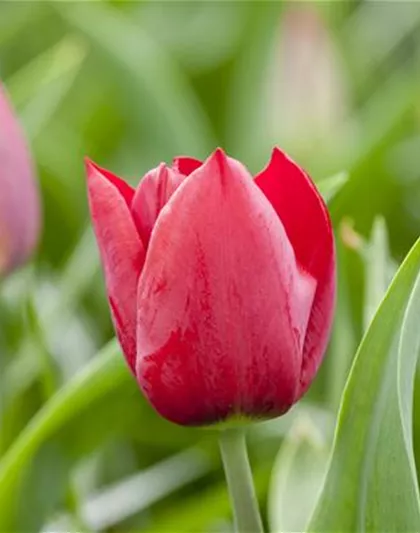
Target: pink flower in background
[(19, 200), (306, 97), (221, 286)]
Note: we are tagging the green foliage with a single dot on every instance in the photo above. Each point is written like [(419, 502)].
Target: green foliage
[(133, 83), (297, 477), (372, 484)]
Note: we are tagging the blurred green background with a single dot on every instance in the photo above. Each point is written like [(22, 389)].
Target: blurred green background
[(336, 84)]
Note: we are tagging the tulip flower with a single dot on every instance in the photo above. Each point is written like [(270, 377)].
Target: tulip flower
[(221, 286), (19, 201)]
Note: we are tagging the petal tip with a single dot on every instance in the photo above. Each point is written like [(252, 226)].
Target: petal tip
[(278, 155), (220, 159), (276, 152), (162, 169), (96, 174), (221, 165), (91, 168), (219, 155), (185, 165)]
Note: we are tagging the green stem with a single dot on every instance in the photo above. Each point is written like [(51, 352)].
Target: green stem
[(240, 482)]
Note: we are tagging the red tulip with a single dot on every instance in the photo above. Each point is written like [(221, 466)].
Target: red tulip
[(19, 201), (221, 287)]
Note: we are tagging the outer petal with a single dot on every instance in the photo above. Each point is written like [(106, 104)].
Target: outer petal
[(222, 306), (126, 191), (122, 252), (186, 165), (20, 218), (153, 192), (306, 221)]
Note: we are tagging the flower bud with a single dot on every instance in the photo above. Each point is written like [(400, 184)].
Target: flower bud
[(221, 286), (306, 97), (19, 200)]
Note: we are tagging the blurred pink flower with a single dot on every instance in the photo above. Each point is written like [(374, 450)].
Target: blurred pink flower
[(19, 199), (306, 91)]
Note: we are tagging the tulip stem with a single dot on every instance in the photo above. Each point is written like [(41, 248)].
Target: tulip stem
[(239, 481)]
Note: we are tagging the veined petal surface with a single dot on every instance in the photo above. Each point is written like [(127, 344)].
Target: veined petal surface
[(122, 252), (223, 306), (152, 193), (306, 220)]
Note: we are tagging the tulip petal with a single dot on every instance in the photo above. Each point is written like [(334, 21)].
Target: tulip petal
[(124, 188), (319, 327), (151, 195), (186, 165), (222, 305), (306, 221), (121, 249)]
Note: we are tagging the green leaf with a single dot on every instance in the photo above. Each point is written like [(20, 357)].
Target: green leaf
[(76, 278), (106, 372), (344, 338), (378, 269), (43, 488), (371, 484), (329, 187), (37, 337), (149, 486), (16, 18), (39, 88), (379, 122), (297, 477)]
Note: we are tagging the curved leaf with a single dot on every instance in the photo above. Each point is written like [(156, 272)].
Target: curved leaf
[(371, 484), (104, 373)]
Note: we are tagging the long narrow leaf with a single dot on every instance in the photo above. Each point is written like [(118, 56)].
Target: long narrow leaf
[(371, 485)]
